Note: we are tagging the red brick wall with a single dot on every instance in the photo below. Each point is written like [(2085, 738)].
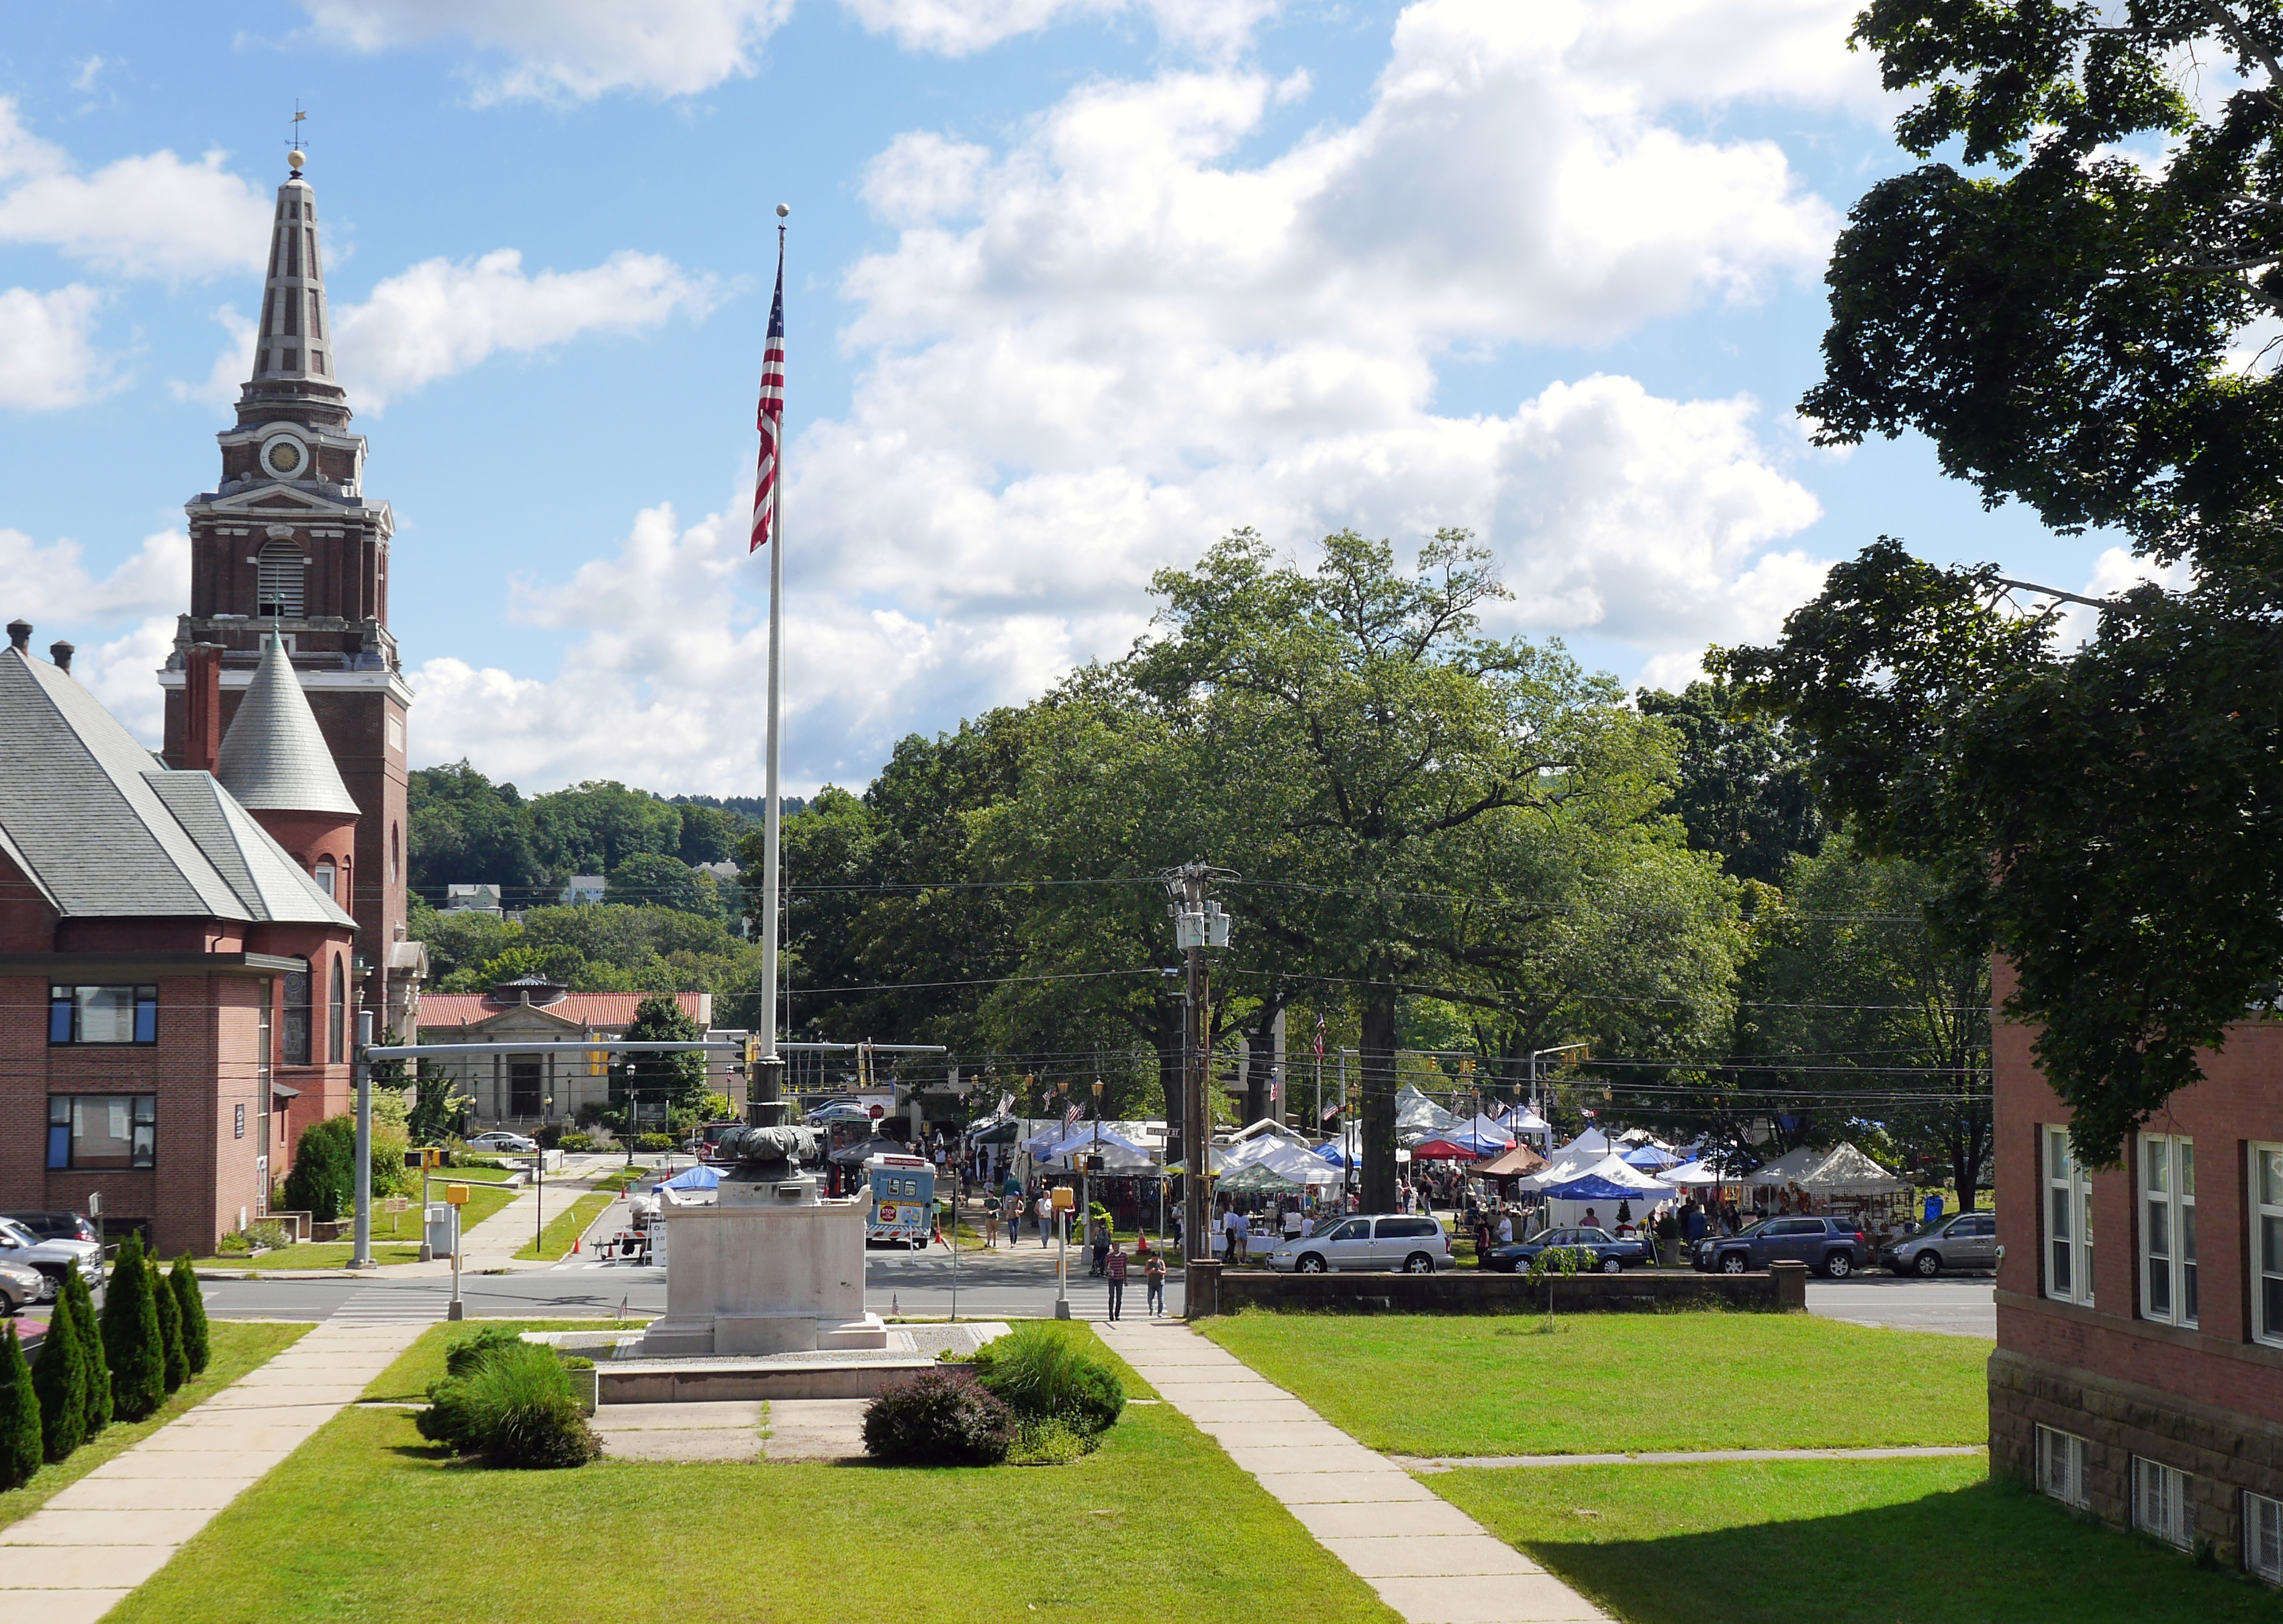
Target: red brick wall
[(2238, 1103)]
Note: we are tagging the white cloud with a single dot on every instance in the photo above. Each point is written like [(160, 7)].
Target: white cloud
[(571, 50), (149, 215), (438, 318), (46, 360), (51, 583), (1088, 353), (961, 28), (232, 366)]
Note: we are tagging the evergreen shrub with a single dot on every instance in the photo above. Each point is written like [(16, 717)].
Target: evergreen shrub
[(937, 1419), (509, 1401), (133, 1342), (21, 1446), (59, 1380), (176, 1367), (92, 1359), (198, 1342), (323, 1179)]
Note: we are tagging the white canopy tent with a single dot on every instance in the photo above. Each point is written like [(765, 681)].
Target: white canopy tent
[(1613, 1174), (1419, 1119), (1118, 1153), (1786, 1169), (1846, 1170)]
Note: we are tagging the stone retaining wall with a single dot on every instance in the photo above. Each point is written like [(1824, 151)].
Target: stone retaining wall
[(1468, 1291)]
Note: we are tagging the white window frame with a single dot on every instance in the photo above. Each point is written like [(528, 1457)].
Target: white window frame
[(2163, 1505), (2068, 1190), (2060, 1467), (2168, 1228), (2263, 1537), (2265, 1205)]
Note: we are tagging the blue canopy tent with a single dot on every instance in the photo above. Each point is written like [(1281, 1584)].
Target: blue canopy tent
[(1333, 1154), (1592, 1189), (1649, 1159), (1482, 1144)]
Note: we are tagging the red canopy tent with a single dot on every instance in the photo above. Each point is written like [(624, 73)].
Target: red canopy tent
[(1441, 1150)]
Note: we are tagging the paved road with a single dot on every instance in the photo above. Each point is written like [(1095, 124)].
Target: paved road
[(1961, 1305), (992, 1284)]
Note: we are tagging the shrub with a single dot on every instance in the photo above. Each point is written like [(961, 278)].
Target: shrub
[(97, 1368), (510, 1401), (197, 1346), (575, 1140), (937, 1420), (132, 1341), (323, 1179), (1039, 1372), (653, 1141), (1050, 1442), (21, 1446), (170, 1328), (59, 1379)]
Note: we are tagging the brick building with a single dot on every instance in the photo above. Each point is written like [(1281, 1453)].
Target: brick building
[(2138, 1373), (174, 979), (288, 547)]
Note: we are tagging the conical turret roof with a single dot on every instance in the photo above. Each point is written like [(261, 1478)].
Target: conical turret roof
[(274, 757)]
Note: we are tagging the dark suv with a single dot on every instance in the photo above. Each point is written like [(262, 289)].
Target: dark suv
[(1831, 1246)]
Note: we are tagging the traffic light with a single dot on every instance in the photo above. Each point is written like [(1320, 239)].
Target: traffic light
[(752, 1056), (598, 1063)]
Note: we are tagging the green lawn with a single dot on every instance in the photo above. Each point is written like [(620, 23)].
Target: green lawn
[(1158, 1524), (1500, 1385), (1838, 1543), (234, 1347), (568, 1226), (483, 1201)]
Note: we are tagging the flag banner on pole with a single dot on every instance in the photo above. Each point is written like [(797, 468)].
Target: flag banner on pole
[(769, 418), (1320, 1038), (1006, 1104), (1070, 1118)]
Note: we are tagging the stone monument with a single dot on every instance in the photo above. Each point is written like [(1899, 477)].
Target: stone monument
[(770, 1268)]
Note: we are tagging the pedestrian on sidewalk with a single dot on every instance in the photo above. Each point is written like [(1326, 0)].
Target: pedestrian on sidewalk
[(1153, 1276), (990, 1226), (1113, 1269), (1046, 1215), (1103, 1242)]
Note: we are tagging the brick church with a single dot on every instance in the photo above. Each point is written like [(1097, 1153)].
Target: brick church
[(186, 939)]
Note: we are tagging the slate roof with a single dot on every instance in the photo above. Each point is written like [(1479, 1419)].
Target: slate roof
[(106, 830), (274, 756)]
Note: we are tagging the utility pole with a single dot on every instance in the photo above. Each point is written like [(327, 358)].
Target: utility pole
[(361, 1229), (1199, 923)]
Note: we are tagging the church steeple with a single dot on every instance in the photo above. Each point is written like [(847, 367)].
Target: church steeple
[(293, 362)]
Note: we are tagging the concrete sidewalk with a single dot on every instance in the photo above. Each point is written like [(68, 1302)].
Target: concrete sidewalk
[(1427, 1560), (75, 1558)]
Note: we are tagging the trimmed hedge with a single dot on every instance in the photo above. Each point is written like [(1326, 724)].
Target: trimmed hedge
[(134, 1343), (936, 1419)]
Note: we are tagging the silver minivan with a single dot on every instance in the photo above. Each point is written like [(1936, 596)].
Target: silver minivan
[(1965, 1240), (1405, 1243)]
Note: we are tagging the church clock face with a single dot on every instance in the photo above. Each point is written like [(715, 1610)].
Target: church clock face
[(284, 457)]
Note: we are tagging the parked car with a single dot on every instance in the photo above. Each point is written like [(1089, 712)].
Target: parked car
[(1963, 1240), (56, 1226), (19, 1284), (500, 1138), (1411, 1244), (53, 1259), (1603, 1251), (1831, 1246)]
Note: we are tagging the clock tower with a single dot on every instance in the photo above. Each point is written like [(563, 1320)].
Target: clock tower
[(287, 548)]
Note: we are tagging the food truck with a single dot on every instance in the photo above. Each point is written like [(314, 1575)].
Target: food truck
[(903, 1200)]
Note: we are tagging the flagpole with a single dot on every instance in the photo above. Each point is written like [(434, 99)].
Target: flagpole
[(770, 819)]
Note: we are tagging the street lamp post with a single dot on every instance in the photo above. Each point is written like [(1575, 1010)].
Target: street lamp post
[(1199, 923), (360, 1232)]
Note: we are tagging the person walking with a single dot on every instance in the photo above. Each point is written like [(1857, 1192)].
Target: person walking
[(1153, 1278), (990, 1226), (1102, 1243), (1113, 1269), (1045, 1212)]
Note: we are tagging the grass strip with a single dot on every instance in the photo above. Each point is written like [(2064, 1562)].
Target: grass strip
[(483, 1201), (234, 1347), (1157, 1524), (1839, 1541), (554, 1240), (1504, 1385)]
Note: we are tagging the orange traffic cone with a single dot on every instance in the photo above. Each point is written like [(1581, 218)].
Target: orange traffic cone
[(574, 1245)]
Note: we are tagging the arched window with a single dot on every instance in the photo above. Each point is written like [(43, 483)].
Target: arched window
[(325, 878), (278, 581), (294, 1040), (336, 1050)]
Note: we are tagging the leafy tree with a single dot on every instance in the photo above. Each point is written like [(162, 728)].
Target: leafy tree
[(436, 1106), (174, 1362), (76, 1299), (679, 1080), (592, 828), (653, 879), (132, 1336), (323, 1181), (709, 833), (460, 938), (2060, 327), (59, 1379), (198, 1343), (21, 1447), (1743, 792), (464, 830)]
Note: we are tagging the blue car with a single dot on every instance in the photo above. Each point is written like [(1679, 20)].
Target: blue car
[(1603, 1251)]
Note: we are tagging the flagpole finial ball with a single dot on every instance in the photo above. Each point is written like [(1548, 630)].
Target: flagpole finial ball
[(296, 159), (783, 209)]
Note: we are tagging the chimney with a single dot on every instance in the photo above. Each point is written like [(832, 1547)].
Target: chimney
[(20, 636), (60, 653), (202, 702)]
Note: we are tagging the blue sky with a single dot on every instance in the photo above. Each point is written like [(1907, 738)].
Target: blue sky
[(1077, 285)]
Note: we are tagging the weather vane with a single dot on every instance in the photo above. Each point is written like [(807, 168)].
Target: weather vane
[(298, 154)]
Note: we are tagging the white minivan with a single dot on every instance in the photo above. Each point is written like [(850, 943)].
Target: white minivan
[(1405, 1243)]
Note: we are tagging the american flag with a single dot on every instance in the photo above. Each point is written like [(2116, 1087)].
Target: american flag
[(1070, 1118), (1320, 1038), (769, 419)]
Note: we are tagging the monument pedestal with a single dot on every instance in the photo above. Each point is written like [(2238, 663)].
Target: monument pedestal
[(768, 1269)]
